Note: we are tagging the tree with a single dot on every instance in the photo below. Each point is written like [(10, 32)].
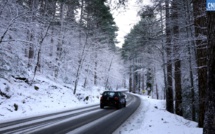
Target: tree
[(169, 91), (100, 30), (209, 122), (141, 52), (57, 44), (200, 34), (177, 60), (190, 41), (12, 16)]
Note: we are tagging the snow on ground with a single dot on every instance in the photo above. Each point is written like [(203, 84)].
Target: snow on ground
[(47, 96), (44, 96), (152, 118)]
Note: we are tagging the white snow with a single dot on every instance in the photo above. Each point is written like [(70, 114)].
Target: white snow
[(51, 97), (150, 118)]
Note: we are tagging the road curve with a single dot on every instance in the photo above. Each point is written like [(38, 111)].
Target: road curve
[(88, 120)]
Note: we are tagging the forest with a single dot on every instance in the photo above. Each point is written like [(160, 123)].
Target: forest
[(60, 39), (169, 54), (175, 37)]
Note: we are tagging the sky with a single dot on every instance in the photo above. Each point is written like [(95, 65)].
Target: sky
[(127, 17)]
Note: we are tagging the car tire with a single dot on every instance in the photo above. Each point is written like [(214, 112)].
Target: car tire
[(119, 106), (101, 106)]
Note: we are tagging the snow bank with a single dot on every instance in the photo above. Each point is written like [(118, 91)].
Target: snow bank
[(152, 118), (21, 100)]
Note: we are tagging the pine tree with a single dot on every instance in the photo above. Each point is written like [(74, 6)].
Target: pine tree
[(139, 50), (200, 33), (169, 91), (209, 122), (177, 60)]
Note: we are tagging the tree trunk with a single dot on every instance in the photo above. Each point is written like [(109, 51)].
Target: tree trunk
[(133, 76), (130, 79), (169, 92), (106, 83), (80, 63), (139, 82), (157, 93), (95, 72), (163, 53), (192, 84), (177, 62), (190, 46), (200, 33), (178, 92), (32, 32), (60, 40), (209, 122), (81, 58), (142, 80), (37, 66)]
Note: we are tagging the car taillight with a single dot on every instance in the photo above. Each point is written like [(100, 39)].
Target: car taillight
[(116, 98)]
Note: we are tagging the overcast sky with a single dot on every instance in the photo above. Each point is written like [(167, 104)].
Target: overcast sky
[(126, 18)]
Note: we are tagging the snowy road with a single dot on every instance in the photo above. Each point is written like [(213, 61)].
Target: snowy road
[(89, 120)]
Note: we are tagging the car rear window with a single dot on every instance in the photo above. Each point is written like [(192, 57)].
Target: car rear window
[(111, 94)]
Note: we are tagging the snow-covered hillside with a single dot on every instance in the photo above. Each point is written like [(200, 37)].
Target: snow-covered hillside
[(46, 96), (18, 99)]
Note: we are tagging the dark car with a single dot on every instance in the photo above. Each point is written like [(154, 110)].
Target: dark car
[(113, 98)]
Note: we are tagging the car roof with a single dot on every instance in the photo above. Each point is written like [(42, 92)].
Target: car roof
[(113, 91)]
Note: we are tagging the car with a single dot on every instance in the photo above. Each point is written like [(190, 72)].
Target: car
[(113, 99)]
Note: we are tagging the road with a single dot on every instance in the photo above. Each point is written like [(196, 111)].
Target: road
[(88, 120)]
